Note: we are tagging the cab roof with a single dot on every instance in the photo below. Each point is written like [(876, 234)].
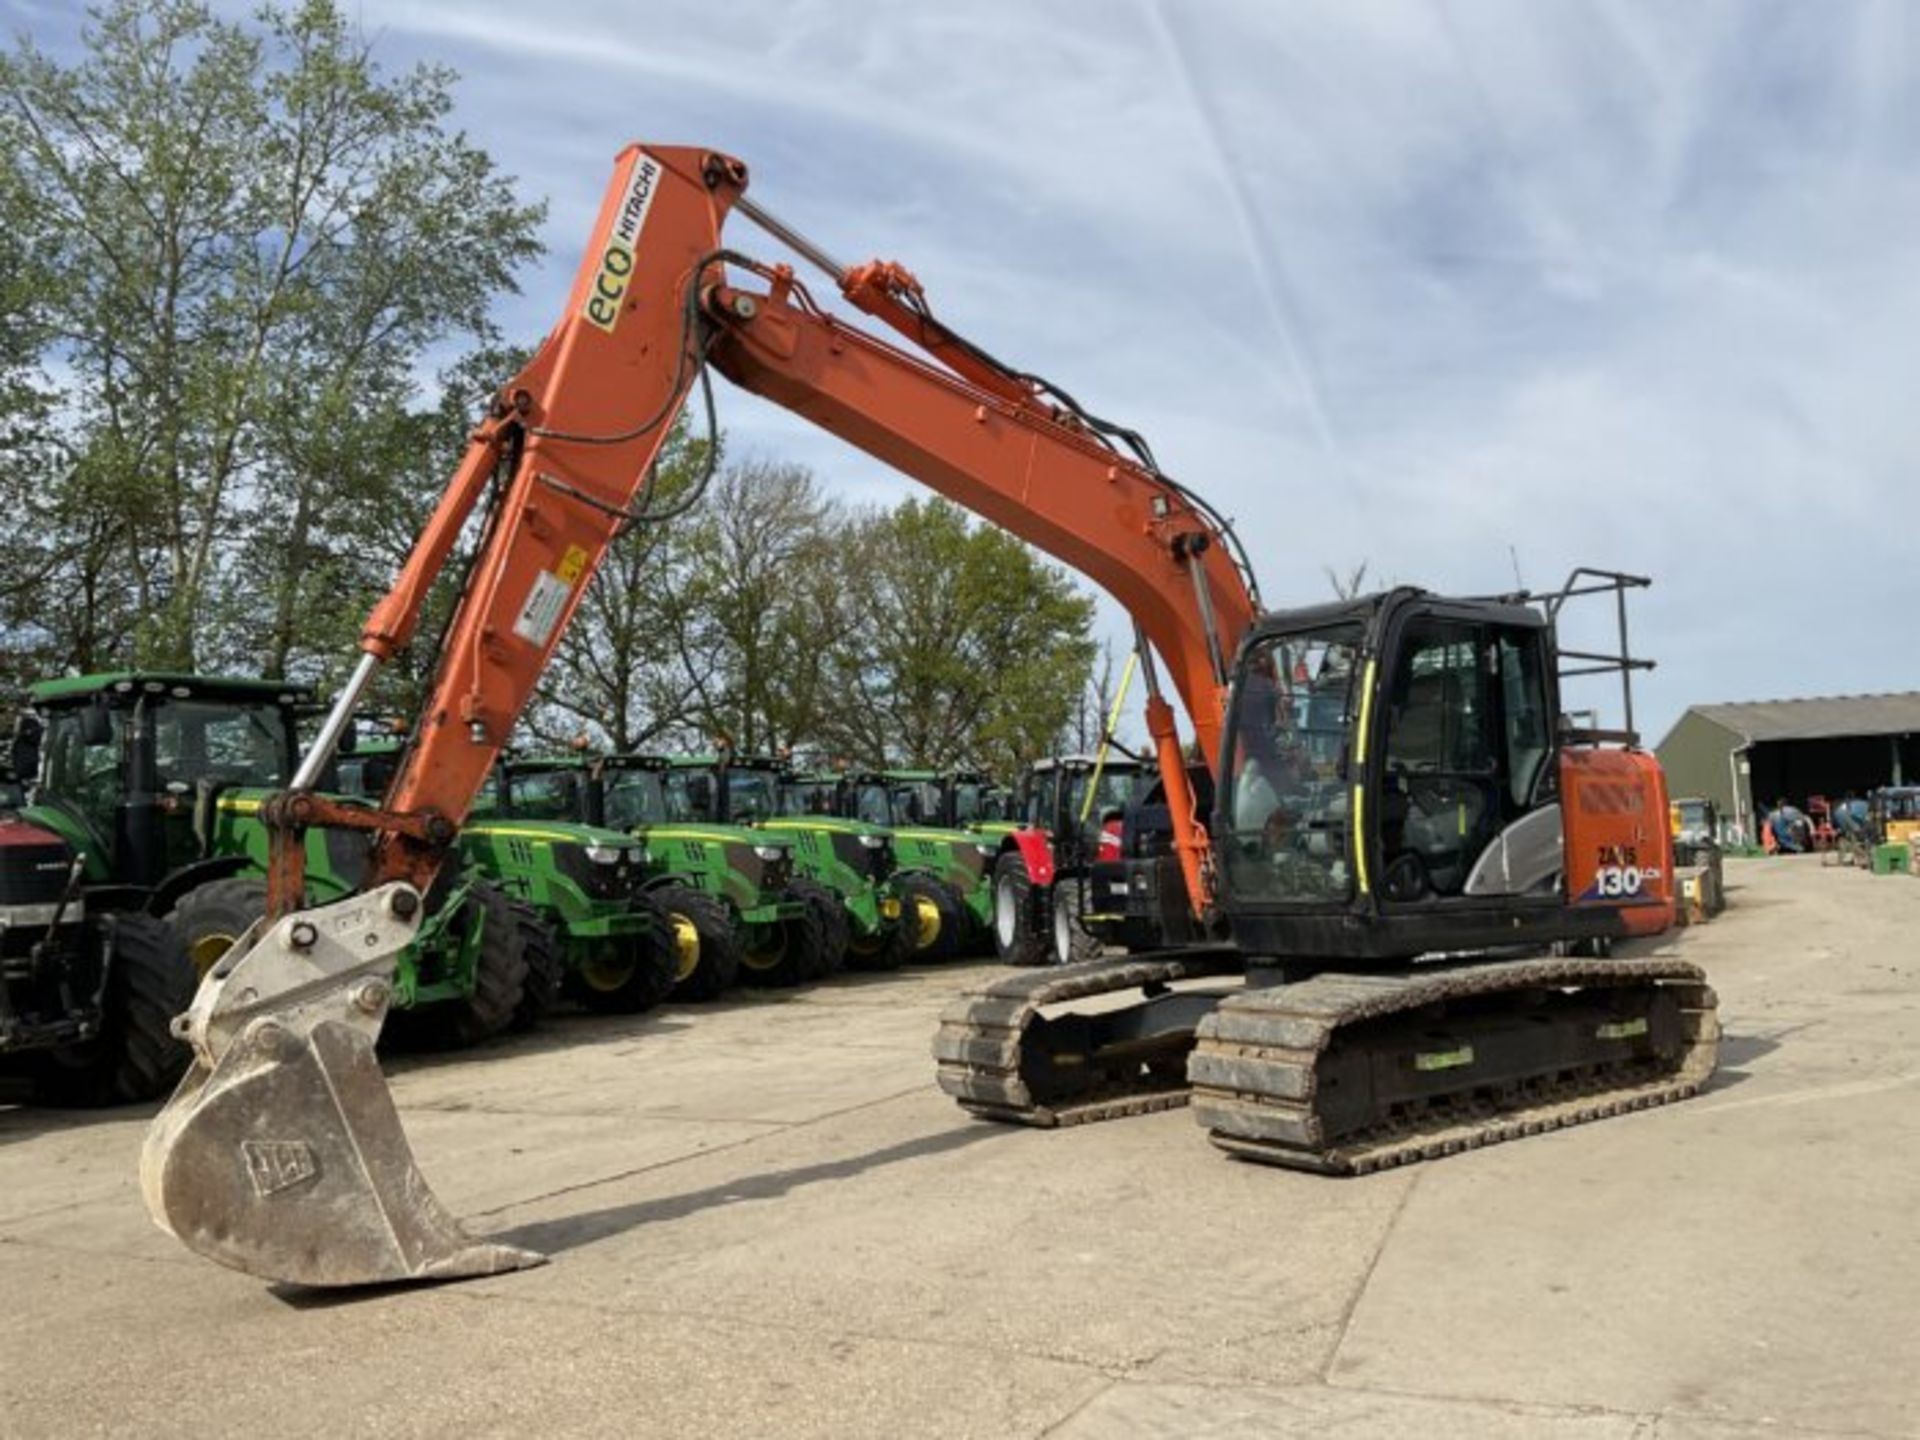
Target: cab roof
[(1087, 762), (710, 761), (635, 762), (231, 688), (541, 764), (1364, 610)]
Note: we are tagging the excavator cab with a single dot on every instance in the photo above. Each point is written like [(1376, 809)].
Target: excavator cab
[(1394, 782)]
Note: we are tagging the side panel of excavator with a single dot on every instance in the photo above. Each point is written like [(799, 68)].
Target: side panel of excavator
[(1619, 849)]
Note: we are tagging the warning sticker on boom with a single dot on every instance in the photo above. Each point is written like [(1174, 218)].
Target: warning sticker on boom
[(545, 605), (547, 601)]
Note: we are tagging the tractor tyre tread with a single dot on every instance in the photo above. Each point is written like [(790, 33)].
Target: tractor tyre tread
[(136, 1056), (952, 910), (826, 908), (1030, 945), (499, 984), (719, 967)]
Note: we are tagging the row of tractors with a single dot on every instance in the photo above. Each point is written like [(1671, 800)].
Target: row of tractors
[(133, 851)]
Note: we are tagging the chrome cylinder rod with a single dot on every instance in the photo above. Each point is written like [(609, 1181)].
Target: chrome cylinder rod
[(791, 238), (338, 718)]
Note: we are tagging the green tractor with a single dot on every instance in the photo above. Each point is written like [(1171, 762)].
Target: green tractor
[(853, 859), (614, 944), (91, 975), (942, 869), (139, 861), (732, 907), (486, 960)]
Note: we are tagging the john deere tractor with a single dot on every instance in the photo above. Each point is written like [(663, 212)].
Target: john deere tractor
[(852, 858), (730, 905), (154, 783), (613, 950), (942, 870), (91, 975)]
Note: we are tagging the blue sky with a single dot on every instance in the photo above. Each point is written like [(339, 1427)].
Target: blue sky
[(1436, 286)]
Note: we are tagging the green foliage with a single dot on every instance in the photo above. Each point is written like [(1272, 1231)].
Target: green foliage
[(958, 644), (242, 254), (236, 243), (773, 617)]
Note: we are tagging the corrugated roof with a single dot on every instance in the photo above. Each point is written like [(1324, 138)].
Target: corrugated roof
[(1819, 716)]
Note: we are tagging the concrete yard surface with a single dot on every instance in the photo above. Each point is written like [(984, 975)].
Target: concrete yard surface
[(765, 1221)]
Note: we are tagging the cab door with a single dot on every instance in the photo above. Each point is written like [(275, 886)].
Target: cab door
[(1466, 750)]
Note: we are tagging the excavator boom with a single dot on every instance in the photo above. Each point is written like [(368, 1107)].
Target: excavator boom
[(281, 1153)]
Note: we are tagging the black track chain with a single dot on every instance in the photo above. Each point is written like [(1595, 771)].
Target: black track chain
[(1254, 1066), (978, 1044)]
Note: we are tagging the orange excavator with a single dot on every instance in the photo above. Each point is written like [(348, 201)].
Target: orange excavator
[(1399, 902)]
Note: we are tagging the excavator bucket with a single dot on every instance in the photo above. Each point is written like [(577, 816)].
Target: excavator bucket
[(281, 1154)]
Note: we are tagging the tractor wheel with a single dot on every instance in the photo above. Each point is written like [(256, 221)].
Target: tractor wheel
[(135, 1057), (887, 950), (1016, 939), (935, 916), (705, 943), (1072, 941), (211, 918), (806, 944), (770, 954), (825, 907), (546, 971), (631, 973), (501, 975)]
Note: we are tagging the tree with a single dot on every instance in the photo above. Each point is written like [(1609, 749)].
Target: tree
[(249, 237), (959, 645), (23, 533), (1348, 584), (626, 673), (758, 606)]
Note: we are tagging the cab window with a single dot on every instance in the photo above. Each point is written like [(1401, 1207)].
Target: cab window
[(547, 795), (1286, 803)]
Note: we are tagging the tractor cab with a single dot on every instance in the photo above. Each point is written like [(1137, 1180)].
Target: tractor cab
[(813, 792), (724, 788), (130, 765), (551, 789), (1076, 799), (949, 799), (1694, 820), (1403, 757), (631, 792), (1895, 814), (365, 768)]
